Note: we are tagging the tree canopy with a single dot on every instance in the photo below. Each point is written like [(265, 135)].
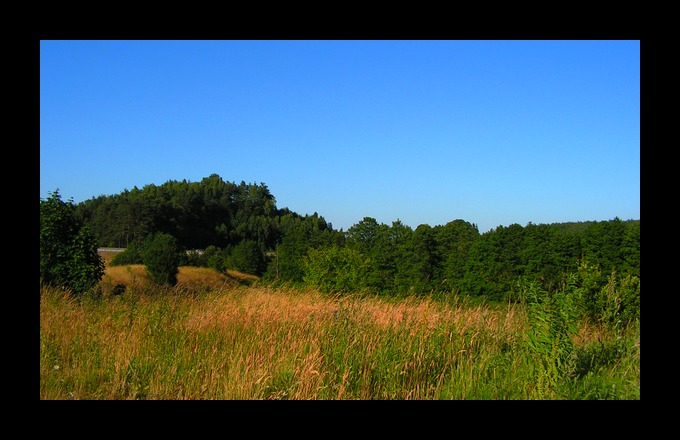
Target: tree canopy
[(241, 228), (68, 248)]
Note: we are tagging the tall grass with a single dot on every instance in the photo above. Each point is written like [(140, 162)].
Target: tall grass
[(254, 342)]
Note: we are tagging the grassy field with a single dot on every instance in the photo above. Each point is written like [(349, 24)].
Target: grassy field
[(212, 337), (188, 278)]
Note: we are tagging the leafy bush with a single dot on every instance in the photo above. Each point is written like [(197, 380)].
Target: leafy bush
[(615, 304), (160, 255), (215, 258), (68, 248), (336, 269), (131, 255), (246, 257), (552, 323)]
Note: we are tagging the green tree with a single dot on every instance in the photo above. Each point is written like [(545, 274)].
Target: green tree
[(215, 258), (387, 250), (160, 254), (337, 269), (454, 241), (630, 248), (364, 234), (494, 262), (369, 238), (247, 257), (602, 242), (288, 262), (68, 249), (400, 243), (423, 259), (548, 254), (297, 235)]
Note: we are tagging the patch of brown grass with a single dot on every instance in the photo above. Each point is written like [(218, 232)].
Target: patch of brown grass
[(262, 304), (128, 274), (243, 277), (188, 277), (203, 278), (107, 256), (257, 306)]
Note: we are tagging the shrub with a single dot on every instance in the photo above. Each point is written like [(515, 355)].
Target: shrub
[(246, 257), (160, 255), (131, 255), (68, 248), (336, 269)]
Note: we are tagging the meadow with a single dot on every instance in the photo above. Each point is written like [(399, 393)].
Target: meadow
[(213, 337)]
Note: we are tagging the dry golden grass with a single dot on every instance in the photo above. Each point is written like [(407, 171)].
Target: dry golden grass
[(128, 275), (189, 277), (107, 256), (276, 306), (262, 305), (259, 342), (203, 278), (243, 277)]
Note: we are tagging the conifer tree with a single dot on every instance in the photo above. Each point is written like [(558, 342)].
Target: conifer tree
[(68, 248)]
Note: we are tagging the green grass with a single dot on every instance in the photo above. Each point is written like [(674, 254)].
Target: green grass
[(257, 342)]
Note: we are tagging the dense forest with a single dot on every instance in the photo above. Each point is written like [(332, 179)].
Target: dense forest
[(238, 226)]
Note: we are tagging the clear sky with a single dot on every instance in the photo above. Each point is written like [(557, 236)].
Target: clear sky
[(491, 132)]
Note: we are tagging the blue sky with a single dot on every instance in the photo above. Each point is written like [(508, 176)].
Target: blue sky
[(491, 132)]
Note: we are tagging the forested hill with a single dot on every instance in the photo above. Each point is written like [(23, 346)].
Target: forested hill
[(197, 214), (240, 227)]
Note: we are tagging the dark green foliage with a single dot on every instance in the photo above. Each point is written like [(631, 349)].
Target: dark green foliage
[(211, 212), (68, 249), (336, 269), (489, 268), (394, 258), (425, 260), (549, 338), (604, 242), (288, 257), (365, 234), (287, 264), (131, 255), (592, 357), (615, 304), (161, 256), (628, 305), (547, 254), (119, 220), (215, 258), (247, 257), (554, 319), (454, 241), (387, 249), (630, 248), (299, 235), (197, 214), (249, 233)]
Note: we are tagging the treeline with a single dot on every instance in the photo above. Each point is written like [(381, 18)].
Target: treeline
[(239, 227), (197, 214), (457, 258)]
